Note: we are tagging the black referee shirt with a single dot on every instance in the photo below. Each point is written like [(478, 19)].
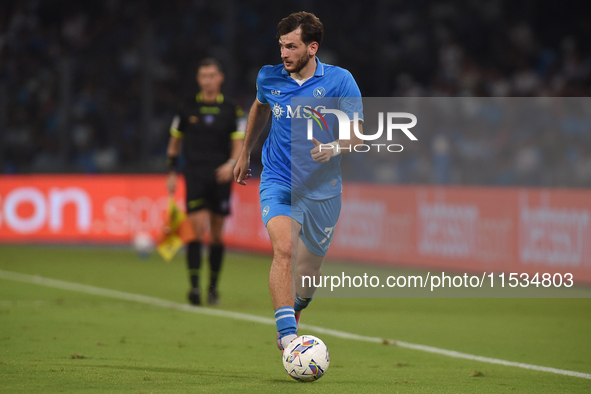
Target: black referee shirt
[(207, 129)]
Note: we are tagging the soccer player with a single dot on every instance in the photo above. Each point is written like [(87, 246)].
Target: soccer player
[(208, 125), (299, 208)]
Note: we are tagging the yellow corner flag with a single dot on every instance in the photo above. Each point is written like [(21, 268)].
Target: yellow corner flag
[(176, 231)]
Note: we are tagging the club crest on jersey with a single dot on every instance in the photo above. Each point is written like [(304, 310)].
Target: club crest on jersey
[(319, 92), (277, 111)]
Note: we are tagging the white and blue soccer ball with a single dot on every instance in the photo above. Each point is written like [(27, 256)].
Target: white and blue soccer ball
[(306, 358), (143, 243)]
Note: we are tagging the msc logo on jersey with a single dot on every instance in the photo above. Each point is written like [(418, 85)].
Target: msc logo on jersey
[(277, 111), (265, 211), (319, 92)]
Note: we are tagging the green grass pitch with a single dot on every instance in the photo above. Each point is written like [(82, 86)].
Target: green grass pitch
[(54, 340)]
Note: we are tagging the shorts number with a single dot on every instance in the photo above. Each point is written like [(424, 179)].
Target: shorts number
[(328, 231)]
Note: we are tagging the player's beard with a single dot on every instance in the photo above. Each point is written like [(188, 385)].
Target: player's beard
[(301, 63)]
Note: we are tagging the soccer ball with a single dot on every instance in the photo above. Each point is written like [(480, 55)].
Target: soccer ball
[(306, 358), (143, 243)]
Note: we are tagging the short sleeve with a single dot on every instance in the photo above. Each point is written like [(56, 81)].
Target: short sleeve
[(350, 97), (260, 93), (176, 126)]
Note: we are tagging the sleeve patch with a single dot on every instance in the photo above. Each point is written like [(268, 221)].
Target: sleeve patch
[(176, 133), (174, 127)]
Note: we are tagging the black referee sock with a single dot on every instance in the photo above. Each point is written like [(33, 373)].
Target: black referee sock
[(216, 254), (194, 262)]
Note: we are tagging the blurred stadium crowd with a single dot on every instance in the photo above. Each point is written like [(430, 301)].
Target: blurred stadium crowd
[(92, 86)]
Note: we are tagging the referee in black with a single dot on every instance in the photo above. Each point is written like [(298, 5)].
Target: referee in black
[(208, 125)]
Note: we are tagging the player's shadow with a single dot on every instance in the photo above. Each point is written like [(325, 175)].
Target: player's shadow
[(185, 371), (325, 382), (282, 381)]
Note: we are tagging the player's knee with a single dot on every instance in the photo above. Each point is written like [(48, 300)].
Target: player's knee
[(198, 229), (199, 235), (282, 250), (304, 270)]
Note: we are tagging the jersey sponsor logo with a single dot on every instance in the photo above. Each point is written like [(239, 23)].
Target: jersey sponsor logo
[(278, 111), (210, 110), (297, 112), (266, 211), (319, 92), (316, 117), (275, 92)]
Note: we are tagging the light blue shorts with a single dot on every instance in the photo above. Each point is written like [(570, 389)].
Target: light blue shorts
[(317, 217)]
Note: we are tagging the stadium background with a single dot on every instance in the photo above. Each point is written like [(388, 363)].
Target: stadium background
[(87, 93), (90, 87)]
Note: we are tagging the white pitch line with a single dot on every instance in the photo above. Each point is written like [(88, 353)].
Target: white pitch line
[(81, 288)]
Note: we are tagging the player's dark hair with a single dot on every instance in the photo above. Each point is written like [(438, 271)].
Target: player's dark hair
[(312, 28), (210, 61)]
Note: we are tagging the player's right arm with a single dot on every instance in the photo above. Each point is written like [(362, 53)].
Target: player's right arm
[(257, 119), (172, 154)]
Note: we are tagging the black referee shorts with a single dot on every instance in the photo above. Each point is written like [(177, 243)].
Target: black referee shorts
[(203, 192)]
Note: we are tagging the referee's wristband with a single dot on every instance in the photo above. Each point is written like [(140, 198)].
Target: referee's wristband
[(172, 163)]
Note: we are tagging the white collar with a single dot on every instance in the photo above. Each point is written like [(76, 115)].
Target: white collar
[(301, 81)]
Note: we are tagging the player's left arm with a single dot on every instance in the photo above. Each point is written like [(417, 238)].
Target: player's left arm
[(324, 152), (350, 102)]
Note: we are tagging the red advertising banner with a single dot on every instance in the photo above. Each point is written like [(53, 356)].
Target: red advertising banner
[(452, 228), (108, 208), (467, 228)]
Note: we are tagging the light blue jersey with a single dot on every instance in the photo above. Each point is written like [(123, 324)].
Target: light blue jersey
[(304, 176)]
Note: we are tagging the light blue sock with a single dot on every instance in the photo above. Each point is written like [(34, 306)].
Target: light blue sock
[(301, 303), (285, 321)]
